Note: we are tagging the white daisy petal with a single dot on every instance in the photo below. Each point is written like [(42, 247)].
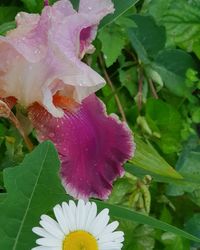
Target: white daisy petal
[(44, 248), (78, 223), (111, 237), (49, 242), (100, 222), (110, 245), (59, 214), (91, 215), (69, 215), (87, 209), (41, 232), (80, 214), (110, 227), (51, 226)]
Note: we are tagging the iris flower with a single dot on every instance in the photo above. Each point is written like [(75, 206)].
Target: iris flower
[(41, 69)]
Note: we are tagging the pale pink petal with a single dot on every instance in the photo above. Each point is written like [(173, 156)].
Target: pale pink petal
[(64, 8), (42, 55), (94, 11), (31, 82), (98, 8), (92, 146), (29, 38)]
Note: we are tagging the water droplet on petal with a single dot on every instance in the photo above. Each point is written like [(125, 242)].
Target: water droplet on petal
[(37, 51), (89, 8), (51, 135)]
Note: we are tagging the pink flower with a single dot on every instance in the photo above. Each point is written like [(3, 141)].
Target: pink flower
[(92, 145), (41, 67), (42, 55)]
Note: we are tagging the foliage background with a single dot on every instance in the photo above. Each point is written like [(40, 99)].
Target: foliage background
[(149, 54)]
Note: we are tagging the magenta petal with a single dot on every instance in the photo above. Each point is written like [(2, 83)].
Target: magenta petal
[(92, 147)]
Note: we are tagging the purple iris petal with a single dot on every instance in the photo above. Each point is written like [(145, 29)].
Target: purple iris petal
[(92, 146)]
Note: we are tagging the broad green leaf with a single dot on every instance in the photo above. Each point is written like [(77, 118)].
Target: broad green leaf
[(146, 157), (174, 242), (138, 47), (6, 27), (33, 5), (135, 217), (174, 74), (8, 13), (135, 235), (188, 166), (151, 36), (193, 226), (37, 5), (120, 8), (129, 79), (196, 115), (33, 188), (113, 41), (165, 121), (75, 3), (181, 19), (156, 8), (195, 196)]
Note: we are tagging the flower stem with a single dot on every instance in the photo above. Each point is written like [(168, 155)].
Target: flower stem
[(140, 87), (108, 80), (6, 112), (153, 90)]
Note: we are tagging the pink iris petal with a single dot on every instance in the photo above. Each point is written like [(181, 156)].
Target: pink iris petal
[(42, 55), (94, 11), (92, 146)]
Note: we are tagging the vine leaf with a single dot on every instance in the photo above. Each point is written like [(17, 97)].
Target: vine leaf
[(33, 188)]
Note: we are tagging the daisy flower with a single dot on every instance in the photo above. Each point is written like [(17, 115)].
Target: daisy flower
[(78, 227)]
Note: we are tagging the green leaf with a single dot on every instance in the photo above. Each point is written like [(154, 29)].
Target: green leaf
[(120, 8), (33, 5), (135, 217), (138, 47), (134, 236), (151, 36), (182, 23), (6, 27), (128, 78), (188, 166), (181, 19), (174, 242), (166, 121), (75, 3), (33, 188), (193, 226), (8, 13), (146, 157), (157, 8), (173, 73), (196, 115), (111, 52)]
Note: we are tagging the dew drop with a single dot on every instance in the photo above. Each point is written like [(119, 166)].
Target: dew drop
[(89, 8), (37, 51), (51, 135)]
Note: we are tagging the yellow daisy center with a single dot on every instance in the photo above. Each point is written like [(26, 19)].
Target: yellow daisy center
[(80, 240)]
